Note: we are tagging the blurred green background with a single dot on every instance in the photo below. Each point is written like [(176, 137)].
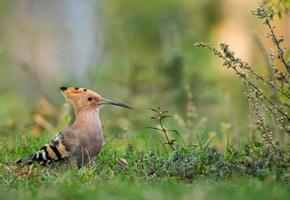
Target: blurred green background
[(137, 52)]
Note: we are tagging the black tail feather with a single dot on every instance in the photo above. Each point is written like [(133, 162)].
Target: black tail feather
[(27, 161)]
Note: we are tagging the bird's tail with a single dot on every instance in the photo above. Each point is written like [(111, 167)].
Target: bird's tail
[(47, 154), (27, 161), (42, 156)]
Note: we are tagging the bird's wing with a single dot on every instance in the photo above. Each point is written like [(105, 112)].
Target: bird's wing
[(63, 145)]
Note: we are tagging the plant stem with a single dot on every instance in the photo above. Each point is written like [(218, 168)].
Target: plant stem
[(277, 43), (166, 136)]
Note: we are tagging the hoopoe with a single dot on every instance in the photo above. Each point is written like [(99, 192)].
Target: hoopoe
[(83, 140)]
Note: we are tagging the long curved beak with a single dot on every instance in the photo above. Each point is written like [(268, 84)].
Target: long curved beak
[(115, 103)]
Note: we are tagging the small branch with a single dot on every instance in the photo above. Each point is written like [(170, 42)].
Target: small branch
[(277, 43)]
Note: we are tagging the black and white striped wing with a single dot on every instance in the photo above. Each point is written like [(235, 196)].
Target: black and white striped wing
[(60, 147)]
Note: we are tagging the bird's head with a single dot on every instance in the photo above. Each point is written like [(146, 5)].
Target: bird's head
[(86, 99)]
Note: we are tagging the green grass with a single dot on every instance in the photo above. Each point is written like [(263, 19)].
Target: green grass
[(189, 173), (66, 187)]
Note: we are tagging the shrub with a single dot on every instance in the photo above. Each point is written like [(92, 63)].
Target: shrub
[(269, 105)]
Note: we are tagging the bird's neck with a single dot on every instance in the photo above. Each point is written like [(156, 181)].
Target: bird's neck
[(86, 119)]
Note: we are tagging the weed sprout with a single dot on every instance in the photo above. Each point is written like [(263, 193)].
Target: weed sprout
[(160, 116)]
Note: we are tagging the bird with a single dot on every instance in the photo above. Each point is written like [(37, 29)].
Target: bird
[(83, 140)]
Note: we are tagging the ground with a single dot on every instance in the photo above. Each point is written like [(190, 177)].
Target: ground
[(138, 174)]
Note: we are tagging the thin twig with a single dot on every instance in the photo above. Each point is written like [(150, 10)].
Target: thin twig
[(277, 43)]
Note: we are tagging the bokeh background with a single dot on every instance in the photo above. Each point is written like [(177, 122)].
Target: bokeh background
[(139, 52)]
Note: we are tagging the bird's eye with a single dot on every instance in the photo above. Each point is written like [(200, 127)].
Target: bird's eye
[(90, 98)]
